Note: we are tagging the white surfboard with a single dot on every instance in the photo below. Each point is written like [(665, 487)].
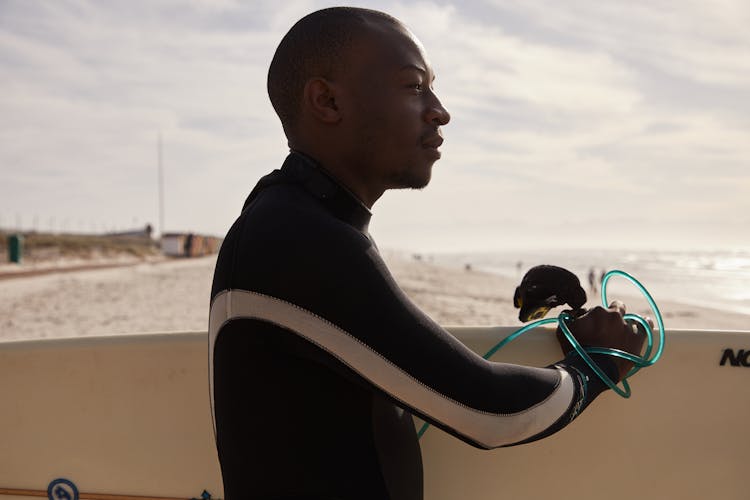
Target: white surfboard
[(128, 417)]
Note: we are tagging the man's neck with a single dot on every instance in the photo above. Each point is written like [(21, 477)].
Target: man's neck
[(347, 176)]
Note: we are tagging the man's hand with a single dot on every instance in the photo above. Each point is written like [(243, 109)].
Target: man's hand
[(601, 327)]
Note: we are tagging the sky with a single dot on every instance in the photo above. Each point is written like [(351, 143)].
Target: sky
[(576, 124)]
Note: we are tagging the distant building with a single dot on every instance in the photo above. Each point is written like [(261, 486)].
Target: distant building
[(189, 244)]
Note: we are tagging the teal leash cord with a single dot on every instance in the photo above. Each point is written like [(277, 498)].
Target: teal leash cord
[(562, 320)]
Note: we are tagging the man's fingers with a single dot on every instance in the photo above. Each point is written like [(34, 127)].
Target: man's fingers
[(618, 306), (638, 327)]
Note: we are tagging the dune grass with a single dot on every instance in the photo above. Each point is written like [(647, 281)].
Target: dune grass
[(44, 245)]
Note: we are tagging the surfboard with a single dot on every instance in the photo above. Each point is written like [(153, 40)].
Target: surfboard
[(128, 418)]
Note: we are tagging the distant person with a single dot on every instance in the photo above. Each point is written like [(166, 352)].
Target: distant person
[(592, 280), (317, 358), (188, 246)]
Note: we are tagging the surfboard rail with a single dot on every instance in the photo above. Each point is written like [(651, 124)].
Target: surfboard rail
[(128, 417)]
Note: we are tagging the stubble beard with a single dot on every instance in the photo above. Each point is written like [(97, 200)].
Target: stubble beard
[(409, 182), (411, 178)]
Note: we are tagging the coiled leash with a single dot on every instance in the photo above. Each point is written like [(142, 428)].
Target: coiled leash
[(554, 299)]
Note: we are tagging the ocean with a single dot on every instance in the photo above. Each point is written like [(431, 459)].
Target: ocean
[(717, 279)]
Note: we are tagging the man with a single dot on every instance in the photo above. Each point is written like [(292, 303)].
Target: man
[(318, 359)]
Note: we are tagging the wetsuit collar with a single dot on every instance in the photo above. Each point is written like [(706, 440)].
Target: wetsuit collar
[(325, 187), (300, 169)]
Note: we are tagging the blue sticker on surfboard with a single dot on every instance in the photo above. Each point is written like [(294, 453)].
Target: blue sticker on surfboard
[(62, 489)]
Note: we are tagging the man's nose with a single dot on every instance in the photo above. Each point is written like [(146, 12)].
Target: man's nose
[(436, 113)]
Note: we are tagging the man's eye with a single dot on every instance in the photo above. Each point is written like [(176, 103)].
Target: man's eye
[(416, 86)]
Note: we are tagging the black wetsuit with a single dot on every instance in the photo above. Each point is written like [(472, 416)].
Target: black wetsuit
[(318, 359)]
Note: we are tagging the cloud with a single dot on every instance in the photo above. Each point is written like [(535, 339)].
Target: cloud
[(696, 40), (563, 115)]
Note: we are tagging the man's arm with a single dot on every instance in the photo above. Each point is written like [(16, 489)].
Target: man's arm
[(347, 304)]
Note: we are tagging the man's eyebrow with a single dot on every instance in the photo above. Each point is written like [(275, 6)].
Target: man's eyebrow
[(422, 70), (413, 66)]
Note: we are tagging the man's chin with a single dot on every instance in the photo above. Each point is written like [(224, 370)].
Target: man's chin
[(413, 180)]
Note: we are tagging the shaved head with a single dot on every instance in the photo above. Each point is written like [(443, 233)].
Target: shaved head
[(316, 46), (354, 91)]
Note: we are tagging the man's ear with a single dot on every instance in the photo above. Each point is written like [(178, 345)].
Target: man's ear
[(319, 97)]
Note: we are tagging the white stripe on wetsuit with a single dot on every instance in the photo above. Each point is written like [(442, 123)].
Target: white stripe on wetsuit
[(487, 429)]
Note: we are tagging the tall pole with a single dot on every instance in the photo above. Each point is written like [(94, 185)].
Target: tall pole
[(161, 190)]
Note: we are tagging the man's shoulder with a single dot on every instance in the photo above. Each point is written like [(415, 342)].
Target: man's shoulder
[(286, 216), (285, 236), (281, 205)]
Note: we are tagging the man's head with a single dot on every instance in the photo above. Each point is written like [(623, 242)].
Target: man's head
[(353, 89)]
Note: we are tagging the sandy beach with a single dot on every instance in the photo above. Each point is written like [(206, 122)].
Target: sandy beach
[(173, 295)]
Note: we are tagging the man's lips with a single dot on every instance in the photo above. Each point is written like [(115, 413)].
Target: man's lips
[(433, 141)]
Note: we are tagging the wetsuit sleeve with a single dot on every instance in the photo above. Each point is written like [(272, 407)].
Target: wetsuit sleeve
[(327, 283)]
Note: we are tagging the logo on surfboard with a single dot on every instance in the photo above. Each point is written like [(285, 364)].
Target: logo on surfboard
[(62, 489), (741, 357)]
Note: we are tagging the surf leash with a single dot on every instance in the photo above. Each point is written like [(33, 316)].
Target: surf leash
[(650, 356)]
